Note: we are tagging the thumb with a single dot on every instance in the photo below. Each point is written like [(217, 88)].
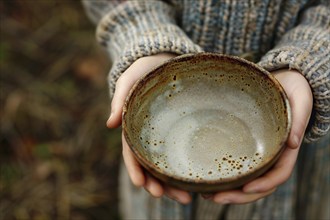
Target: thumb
[(127, 80), (301, 105), (301, 102), (122, 89)]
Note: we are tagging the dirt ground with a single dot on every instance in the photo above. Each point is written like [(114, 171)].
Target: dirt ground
[(57, 158)]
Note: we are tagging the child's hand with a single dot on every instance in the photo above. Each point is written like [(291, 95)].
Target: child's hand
[(300, 97), (301, 101), (135, 171)]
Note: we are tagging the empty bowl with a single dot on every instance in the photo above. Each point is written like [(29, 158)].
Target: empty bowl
[(207, 122)]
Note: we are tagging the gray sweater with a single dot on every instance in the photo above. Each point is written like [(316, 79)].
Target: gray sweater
[(276, 34), (292, 34)]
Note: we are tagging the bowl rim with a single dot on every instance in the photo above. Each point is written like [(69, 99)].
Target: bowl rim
[(160, 173)]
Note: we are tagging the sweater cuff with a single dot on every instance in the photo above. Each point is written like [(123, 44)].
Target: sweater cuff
[(314, 65), (137, 29)]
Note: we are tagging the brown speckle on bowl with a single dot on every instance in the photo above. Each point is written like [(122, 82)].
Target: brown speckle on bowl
[(207, 122)]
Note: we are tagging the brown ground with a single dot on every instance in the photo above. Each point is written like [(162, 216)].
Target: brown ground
[(58, 160)]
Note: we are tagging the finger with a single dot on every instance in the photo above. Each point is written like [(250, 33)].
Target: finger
[(153, 187), (276, 176), (300, 105), (239, 197), (134, 169), (123, 87), (301, 101), (208, 195), (178, 195)]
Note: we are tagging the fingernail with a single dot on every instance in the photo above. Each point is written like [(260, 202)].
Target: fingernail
[(207, 196), (185, 201), (225, 201), (109, 119), (296, 141), (251, 190)]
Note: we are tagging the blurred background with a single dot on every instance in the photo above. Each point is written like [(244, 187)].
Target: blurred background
[(57, 158)]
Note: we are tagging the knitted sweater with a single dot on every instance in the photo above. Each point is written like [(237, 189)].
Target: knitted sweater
[(292, 34)]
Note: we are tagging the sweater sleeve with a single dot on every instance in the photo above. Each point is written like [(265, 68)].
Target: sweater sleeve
[(133, 29), (306, 48)]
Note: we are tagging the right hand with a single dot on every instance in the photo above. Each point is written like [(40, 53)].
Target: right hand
[(137, 174)]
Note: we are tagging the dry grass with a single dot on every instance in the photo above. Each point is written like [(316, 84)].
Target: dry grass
[(58, 161)]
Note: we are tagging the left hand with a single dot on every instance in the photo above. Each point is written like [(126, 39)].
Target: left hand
[(138, 176), (301, 101)]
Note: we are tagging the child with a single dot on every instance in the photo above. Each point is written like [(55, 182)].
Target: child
[(289, 38)]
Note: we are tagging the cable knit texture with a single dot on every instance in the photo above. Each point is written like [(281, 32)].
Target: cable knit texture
[(277, 34), (291, 34), (306, 48)]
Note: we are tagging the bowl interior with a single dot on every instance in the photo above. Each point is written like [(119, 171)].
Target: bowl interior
[(206, 118)]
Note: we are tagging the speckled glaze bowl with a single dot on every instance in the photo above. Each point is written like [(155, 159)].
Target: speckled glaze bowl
[(207, 122)]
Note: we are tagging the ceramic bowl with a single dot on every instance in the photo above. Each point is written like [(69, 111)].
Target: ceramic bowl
[(207, 122)]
